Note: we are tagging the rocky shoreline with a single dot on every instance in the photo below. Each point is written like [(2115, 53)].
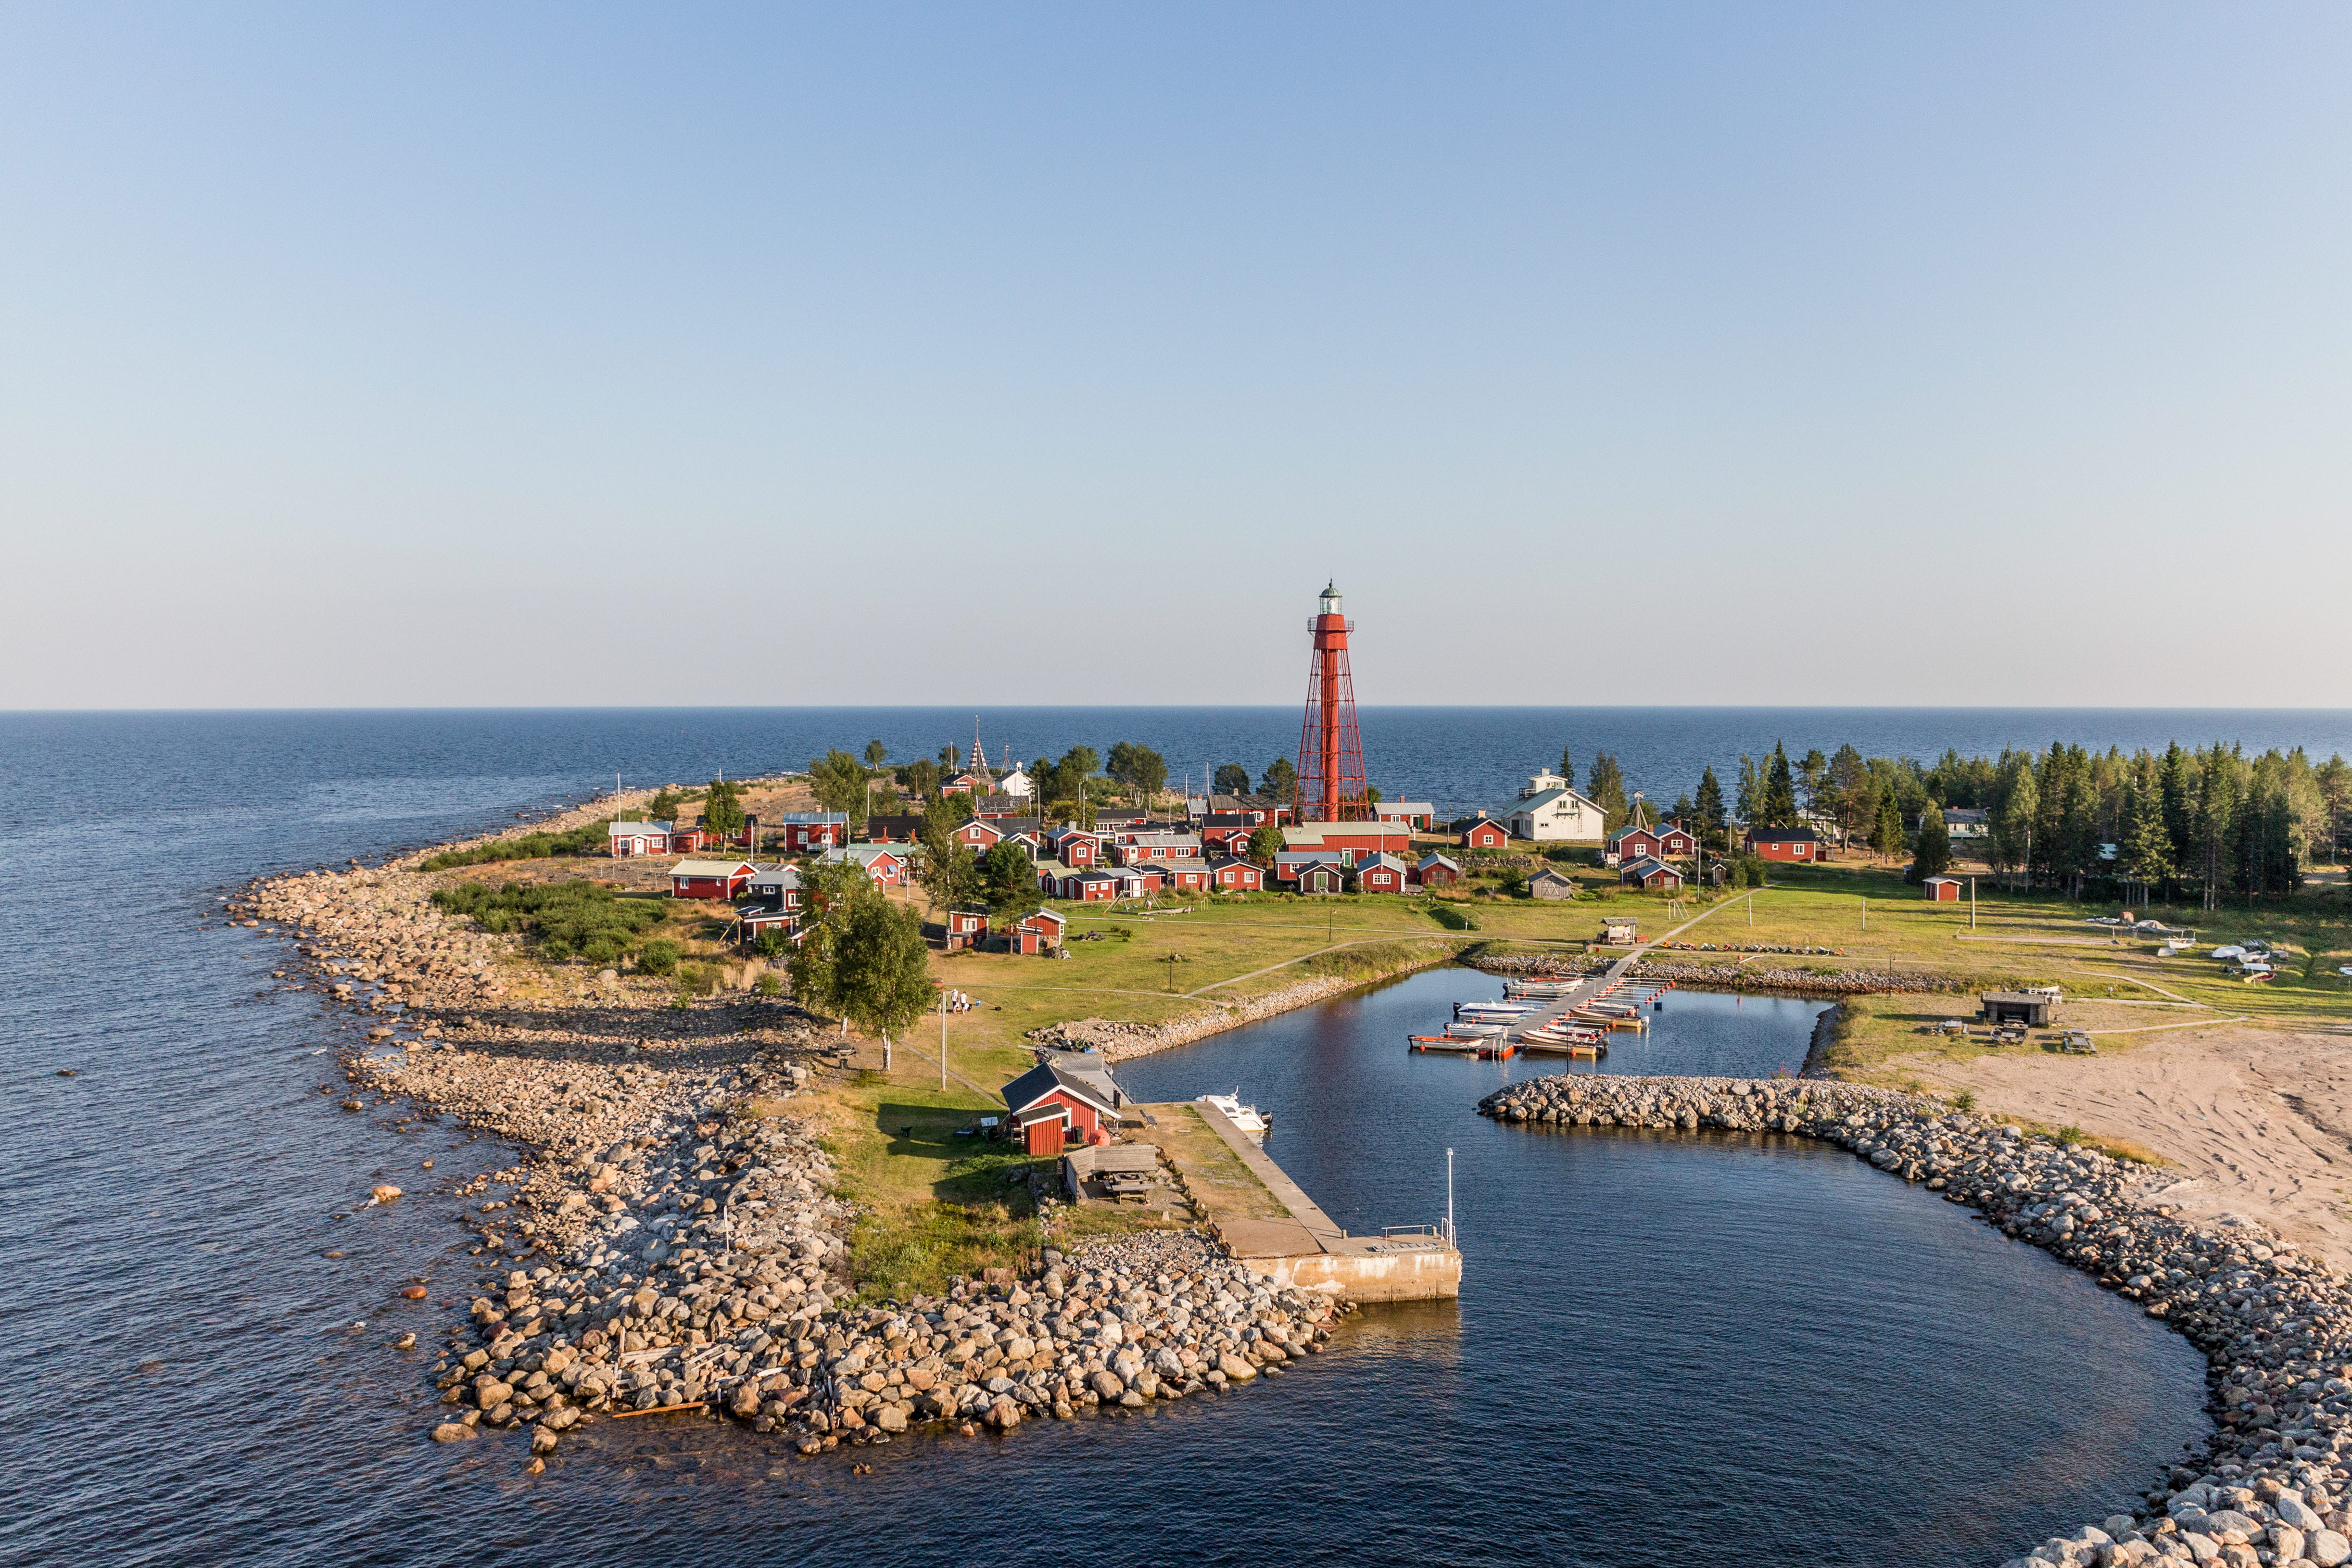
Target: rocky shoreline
[(2275, 1328), (668, 1241)]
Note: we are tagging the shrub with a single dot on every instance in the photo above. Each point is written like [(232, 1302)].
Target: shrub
[(1965, 1100), (659, 957), (771, 944), (585, 840), (771, 983), (568, 917), (1374, 960)]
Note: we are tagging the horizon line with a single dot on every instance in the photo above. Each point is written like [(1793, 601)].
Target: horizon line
[(1178, 708)]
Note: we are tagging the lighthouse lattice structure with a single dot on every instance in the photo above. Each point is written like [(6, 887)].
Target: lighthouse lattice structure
[(1330, 750)]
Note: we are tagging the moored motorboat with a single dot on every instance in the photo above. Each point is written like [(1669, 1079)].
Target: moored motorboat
[(1246, 1119)]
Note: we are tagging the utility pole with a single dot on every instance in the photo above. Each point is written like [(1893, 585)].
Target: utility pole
[(943, 1040), (1972, 904), (1752, 908), (1865, 917)]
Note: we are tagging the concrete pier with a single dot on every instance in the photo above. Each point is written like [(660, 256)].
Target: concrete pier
[(1276, 1231)]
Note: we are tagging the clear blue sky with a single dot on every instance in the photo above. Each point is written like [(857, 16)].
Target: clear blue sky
[(475, 355)]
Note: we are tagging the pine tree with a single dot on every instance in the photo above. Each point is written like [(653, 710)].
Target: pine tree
[(1887, 838), (1750, 799), (1606, 789), (1232, 779), (1711, 822), (839, 779), (1008, 877), (1848, 783), (722, 808), (1280, 780), (1139, 771), (1568, 765), (2333, 778), (950, 872), (1932, 855), (1813, 785), (2145, 850), (1780, 803), (2012, 818)]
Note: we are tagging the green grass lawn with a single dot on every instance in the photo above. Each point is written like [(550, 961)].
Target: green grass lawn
[(2041, 938), (934, 1204)]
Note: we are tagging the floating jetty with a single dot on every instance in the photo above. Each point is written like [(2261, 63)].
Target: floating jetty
[(1556, 1015)]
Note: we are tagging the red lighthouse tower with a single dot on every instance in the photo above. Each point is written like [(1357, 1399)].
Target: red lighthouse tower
[(1330, 752)]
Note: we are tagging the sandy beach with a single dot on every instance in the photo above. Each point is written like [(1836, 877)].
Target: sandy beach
[(2256, 1123)]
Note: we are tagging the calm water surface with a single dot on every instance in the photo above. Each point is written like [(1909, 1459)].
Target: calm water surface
[(1669, 1350)]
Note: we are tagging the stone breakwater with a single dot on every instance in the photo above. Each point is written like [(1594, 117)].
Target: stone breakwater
[(1729, 976), (2275, 1328), (669, 1238)]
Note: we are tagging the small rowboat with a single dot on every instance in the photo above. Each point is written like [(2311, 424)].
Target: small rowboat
[(1589, 1050), (1444, 1043)]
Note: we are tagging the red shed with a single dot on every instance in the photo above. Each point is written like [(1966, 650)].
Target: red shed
[(807, 830), (709, 878), (967, 924), (1322, 876), (625, 839), (1382, 873), (1235, 877), (1786, 843), (979, 836), (1077, 847), (1051, 1105), (1039, 932), (1943, 889), (1091, 887), (1437, 871), (1486, 833), (1649, 871)]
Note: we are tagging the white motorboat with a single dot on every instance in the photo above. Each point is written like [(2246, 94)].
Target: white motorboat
[(1246, 1119)]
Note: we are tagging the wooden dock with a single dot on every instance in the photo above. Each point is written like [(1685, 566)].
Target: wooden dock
[(1276, 1231)]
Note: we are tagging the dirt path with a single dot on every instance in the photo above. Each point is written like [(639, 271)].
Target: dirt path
[(2257, 1122)]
